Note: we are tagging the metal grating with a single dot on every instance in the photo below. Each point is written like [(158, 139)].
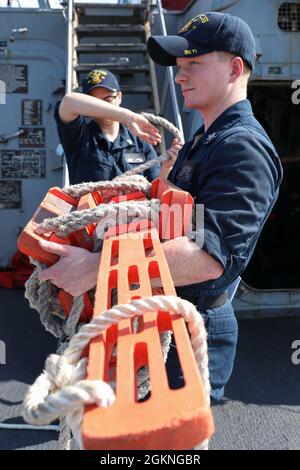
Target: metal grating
[(289, 17)]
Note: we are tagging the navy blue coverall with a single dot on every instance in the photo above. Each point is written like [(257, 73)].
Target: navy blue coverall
[(234, 170), (92, 157)]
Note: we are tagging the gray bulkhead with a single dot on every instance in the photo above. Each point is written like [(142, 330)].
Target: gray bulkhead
[(32, 74)]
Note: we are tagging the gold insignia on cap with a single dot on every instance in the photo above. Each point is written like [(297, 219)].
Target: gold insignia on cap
[(96, 76), (186, 27), (194, 22), (190, 51)]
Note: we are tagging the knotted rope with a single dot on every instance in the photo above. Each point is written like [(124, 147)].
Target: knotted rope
[(76, 220), (61, 390), (108, 189)]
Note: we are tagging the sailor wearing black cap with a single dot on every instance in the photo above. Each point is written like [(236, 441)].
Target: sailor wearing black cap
[(229, 165), (113, 141)]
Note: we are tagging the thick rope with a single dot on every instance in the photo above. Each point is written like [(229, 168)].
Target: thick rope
[(108, 189), (61, 390), (77, 220), (32, 291), (73, 319), (162, 158), (160, 121), (35, 291), (42, 299), (64, 439)]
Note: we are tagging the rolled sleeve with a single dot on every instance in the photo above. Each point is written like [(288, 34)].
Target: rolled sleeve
[(213, 244), (70, 133)]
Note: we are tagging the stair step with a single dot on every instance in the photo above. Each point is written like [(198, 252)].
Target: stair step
[(106, 29), (92, 8), (113, 67), (131, 90), (95, 6), (111, 47), (110, 13)]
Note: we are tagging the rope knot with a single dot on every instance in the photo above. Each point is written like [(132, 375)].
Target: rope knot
[(97, 392), (62, 389), (60, 372)]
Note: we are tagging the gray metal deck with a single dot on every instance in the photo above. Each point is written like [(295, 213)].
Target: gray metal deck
[(262, 409)]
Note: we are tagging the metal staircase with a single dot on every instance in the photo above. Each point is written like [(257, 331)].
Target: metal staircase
[(114, 37)]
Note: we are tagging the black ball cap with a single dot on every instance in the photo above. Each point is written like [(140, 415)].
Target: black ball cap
[(100, 78), (205, 33)]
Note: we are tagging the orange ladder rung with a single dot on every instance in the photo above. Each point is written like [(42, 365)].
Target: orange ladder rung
[(54, 204), (176, 209)]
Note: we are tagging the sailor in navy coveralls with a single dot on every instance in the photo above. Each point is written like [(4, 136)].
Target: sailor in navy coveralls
[(97, 147), (230, 165)]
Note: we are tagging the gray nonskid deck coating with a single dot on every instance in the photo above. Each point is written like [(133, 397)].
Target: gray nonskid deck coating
[(261, 411)]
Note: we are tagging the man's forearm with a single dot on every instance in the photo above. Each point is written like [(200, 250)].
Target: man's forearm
[(85, 105), (188, 263)]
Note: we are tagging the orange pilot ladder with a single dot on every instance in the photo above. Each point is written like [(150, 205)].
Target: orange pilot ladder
[(169, 419), (57, 203), (132, 261)]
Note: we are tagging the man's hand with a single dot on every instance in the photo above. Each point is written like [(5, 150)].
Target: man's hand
[(75, 272), (172, 153), (142, 128)]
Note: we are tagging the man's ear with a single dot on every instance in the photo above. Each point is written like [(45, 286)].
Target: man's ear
[(120, 97), (237, 68)]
